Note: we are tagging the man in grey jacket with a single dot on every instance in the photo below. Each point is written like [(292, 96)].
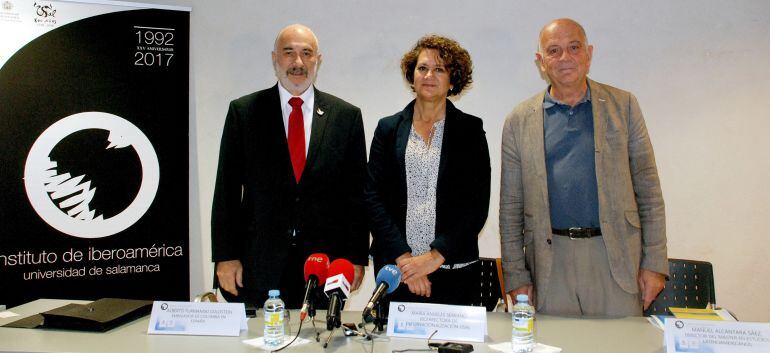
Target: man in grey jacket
[(582, 219)]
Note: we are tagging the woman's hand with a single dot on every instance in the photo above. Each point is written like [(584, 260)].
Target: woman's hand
[(419, 286), (419, 266)]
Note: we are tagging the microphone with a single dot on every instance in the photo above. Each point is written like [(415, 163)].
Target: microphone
[(337, 288), (316, 268), (387, 281)]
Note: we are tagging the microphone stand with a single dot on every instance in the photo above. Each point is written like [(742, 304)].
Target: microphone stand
[(311, 307), (329, 338), (334, 321), (379, 317), (311, 314), (376, 316)]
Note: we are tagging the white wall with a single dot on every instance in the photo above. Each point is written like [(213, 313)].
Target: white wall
[(699, 68)]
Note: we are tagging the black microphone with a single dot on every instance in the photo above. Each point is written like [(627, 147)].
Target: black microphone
[(337, 288), (387, 281), (316, 268)]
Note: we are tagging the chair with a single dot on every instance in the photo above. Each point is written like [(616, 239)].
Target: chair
[(491, 288), (690, 285)]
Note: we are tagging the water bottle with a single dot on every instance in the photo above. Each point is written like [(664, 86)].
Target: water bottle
[(522, 334), (274, 311)]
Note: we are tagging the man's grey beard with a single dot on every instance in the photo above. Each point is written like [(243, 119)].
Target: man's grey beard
[(283, 77)]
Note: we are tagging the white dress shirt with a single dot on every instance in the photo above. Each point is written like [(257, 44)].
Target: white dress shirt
[(308, 101)]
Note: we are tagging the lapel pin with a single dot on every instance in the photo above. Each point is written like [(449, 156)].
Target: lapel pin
[(319, 111)]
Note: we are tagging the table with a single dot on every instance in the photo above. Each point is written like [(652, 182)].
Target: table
[(627, 335)]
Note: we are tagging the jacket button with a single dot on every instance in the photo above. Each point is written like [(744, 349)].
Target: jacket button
[(548, 241)]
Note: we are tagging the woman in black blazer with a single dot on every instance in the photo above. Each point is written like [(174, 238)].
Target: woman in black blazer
[(429, 176)]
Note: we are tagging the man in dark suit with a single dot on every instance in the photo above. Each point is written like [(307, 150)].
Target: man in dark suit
[(292, 165)]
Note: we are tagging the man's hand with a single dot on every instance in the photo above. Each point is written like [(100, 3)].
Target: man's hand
[(419, 286), (420, 266), (358, 276), (650, 284), (230, 275), (529, 290)]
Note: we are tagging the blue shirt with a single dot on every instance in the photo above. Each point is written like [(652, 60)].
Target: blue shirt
[(570, 163)]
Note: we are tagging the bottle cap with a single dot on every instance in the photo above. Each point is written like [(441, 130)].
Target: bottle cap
[(274, 293), (522, 298)]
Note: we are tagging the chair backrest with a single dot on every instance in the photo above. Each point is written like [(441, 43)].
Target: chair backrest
[(490, 292), (690, 285)]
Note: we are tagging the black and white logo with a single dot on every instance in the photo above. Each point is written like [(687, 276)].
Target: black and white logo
[(91, 175), (44, 10), (45, 14)]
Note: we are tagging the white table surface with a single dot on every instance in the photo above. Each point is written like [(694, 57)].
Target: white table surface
[(626, 335)]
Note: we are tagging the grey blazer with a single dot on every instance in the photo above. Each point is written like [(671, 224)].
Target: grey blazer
[(631, 209)]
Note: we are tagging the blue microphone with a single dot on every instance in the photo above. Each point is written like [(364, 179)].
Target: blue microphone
[(387, 281)]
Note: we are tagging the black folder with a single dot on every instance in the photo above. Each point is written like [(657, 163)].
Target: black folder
[(100, 316)]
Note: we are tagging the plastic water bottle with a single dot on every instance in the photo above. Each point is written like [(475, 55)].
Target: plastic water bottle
[(274, 311), (522, 334)]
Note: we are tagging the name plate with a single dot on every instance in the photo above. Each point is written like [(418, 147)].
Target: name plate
[(701, 336), (197, 319), (450, 322)]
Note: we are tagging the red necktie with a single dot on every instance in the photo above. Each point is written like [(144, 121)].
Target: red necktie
[(296, 137)]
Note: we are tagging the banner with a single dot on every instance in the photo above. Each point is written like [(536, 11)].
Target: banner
[(94, 101)]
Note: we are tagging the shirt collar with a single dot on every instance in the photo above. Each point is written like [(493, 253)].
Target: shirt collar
[(285, 95), (549, 101)]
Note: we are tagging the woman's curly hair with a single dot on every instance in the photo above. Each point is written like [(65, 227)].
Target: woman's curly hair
[(456, 60)]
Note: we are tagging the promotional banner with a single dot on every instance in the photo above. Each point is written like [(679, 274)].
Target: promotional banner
[(94, 100)]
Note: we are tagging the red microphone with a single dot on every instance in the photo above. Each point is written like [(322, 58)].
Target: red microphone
[(317, 265), (337, 288), (316, 268)]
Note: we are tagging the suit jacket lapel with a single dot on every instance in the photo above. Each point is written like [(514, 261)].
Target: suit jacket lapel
[(451, 115), (536, 135), (402, 138), (535, 139), (599, 110), (318, 127), (271, 105)]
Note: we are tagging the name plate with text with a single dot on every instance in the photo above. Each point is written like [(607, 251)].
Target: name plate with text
[(705, 336), (449, 322), (197, 319)]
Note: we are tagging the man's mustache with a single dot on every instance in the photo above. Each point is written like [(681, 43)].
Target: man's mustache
[(297, 71)]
